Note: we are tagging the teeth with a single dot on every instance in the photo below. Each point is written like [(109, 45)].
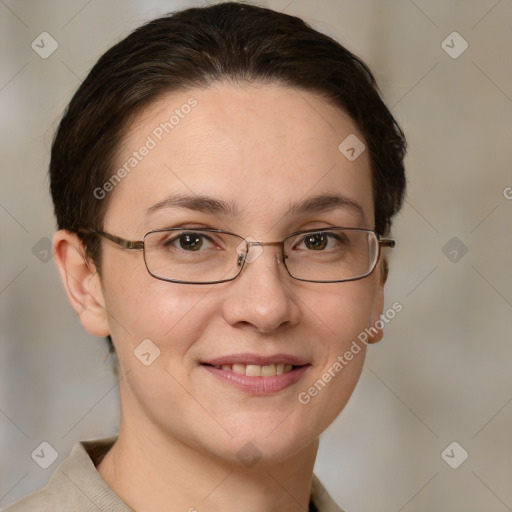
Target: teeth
[(268, 370), (239, 368), (256, 370), (253, 370)]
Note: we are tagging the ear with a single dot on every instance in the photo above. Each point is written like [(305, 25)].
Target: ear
[(81, 282), (375, 333)]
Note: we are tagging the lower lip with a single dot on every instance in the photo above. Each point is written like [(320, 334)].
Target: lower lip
[(258, 385)]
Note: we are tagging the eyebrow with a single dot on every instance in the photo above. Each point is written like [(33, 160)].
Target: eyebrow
[(324, 203), (197, 203), (316, 204)]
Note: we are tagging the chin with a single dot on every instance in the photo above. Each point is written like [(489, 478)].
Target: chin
[(264, 443)]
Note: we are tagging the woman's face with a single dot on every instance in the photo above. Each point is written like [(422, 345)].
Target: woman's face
[(257, 152)]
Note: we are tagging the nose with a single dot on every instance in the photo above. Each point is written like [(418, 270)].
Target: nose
[(261, 298)]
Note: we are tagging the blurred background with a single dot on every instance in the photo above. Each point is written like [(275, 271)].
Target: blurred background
[(429, 425)]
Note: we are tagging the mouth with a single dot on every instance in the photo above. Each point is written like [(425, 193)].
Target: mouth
[(257, 370), (257, 375)]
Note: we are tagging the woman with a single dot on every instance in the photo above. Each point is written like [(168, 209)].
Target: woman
[(224, 182)]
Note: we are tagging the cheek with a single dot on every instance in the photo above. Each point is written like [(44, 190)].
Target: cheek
[(342, 315), (163, 325), (345, 310), (141, 307)]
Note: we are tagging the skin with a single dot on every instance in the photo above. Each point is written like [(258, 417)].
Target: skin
[(260, 147)]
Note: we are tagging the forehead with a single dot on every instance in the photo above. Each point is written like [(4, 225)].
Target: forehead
[(258, 148)]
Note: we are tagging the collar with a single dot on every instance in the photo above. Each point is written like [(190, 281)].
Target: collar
[(77, 485)]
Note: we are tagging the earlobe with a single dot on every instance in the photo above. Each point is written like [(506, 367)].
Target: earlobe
[(376, 333), (81, 282), (385, 271)]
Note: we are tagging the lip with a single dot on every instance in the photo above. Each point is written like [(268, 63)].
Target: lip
[(257, 385)]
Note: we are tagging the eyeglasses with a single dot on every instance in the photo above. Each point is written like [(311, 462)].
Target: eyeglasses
[(209, 256)]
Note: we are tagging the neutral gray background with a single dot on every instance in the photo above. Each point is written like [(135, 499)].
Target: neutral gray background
[(442, 372)]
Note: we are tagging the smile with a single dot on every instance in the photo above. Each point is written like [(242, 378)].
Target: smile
[(257, 375)]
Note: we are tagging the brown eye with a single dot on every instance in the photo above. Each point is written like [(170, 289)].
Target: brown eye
[(190, 241), (316, 241)]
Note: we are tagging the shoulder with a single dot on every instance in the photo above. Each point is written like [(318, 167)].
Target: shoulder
[(41, 501), (75, 485), (321, 500)]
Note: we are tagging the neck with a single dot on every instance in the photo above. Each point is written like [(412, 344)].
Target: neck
[(152, 471)]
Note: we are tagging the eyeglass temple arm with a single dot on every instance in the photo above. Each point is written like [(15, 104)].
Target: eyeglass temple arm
[(387, 242), (136, 245)]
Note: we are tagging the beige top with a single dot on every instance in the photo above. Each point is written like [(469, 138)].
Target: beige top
[(76, 486)]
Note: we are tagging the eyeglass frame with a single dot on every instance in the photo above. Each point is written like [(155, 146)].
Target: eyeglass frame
[(139, 245)]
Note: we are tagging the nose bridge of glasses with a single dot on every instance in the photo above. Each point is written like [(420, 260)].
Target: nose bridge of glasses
[(255, 242), (258, 250)]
